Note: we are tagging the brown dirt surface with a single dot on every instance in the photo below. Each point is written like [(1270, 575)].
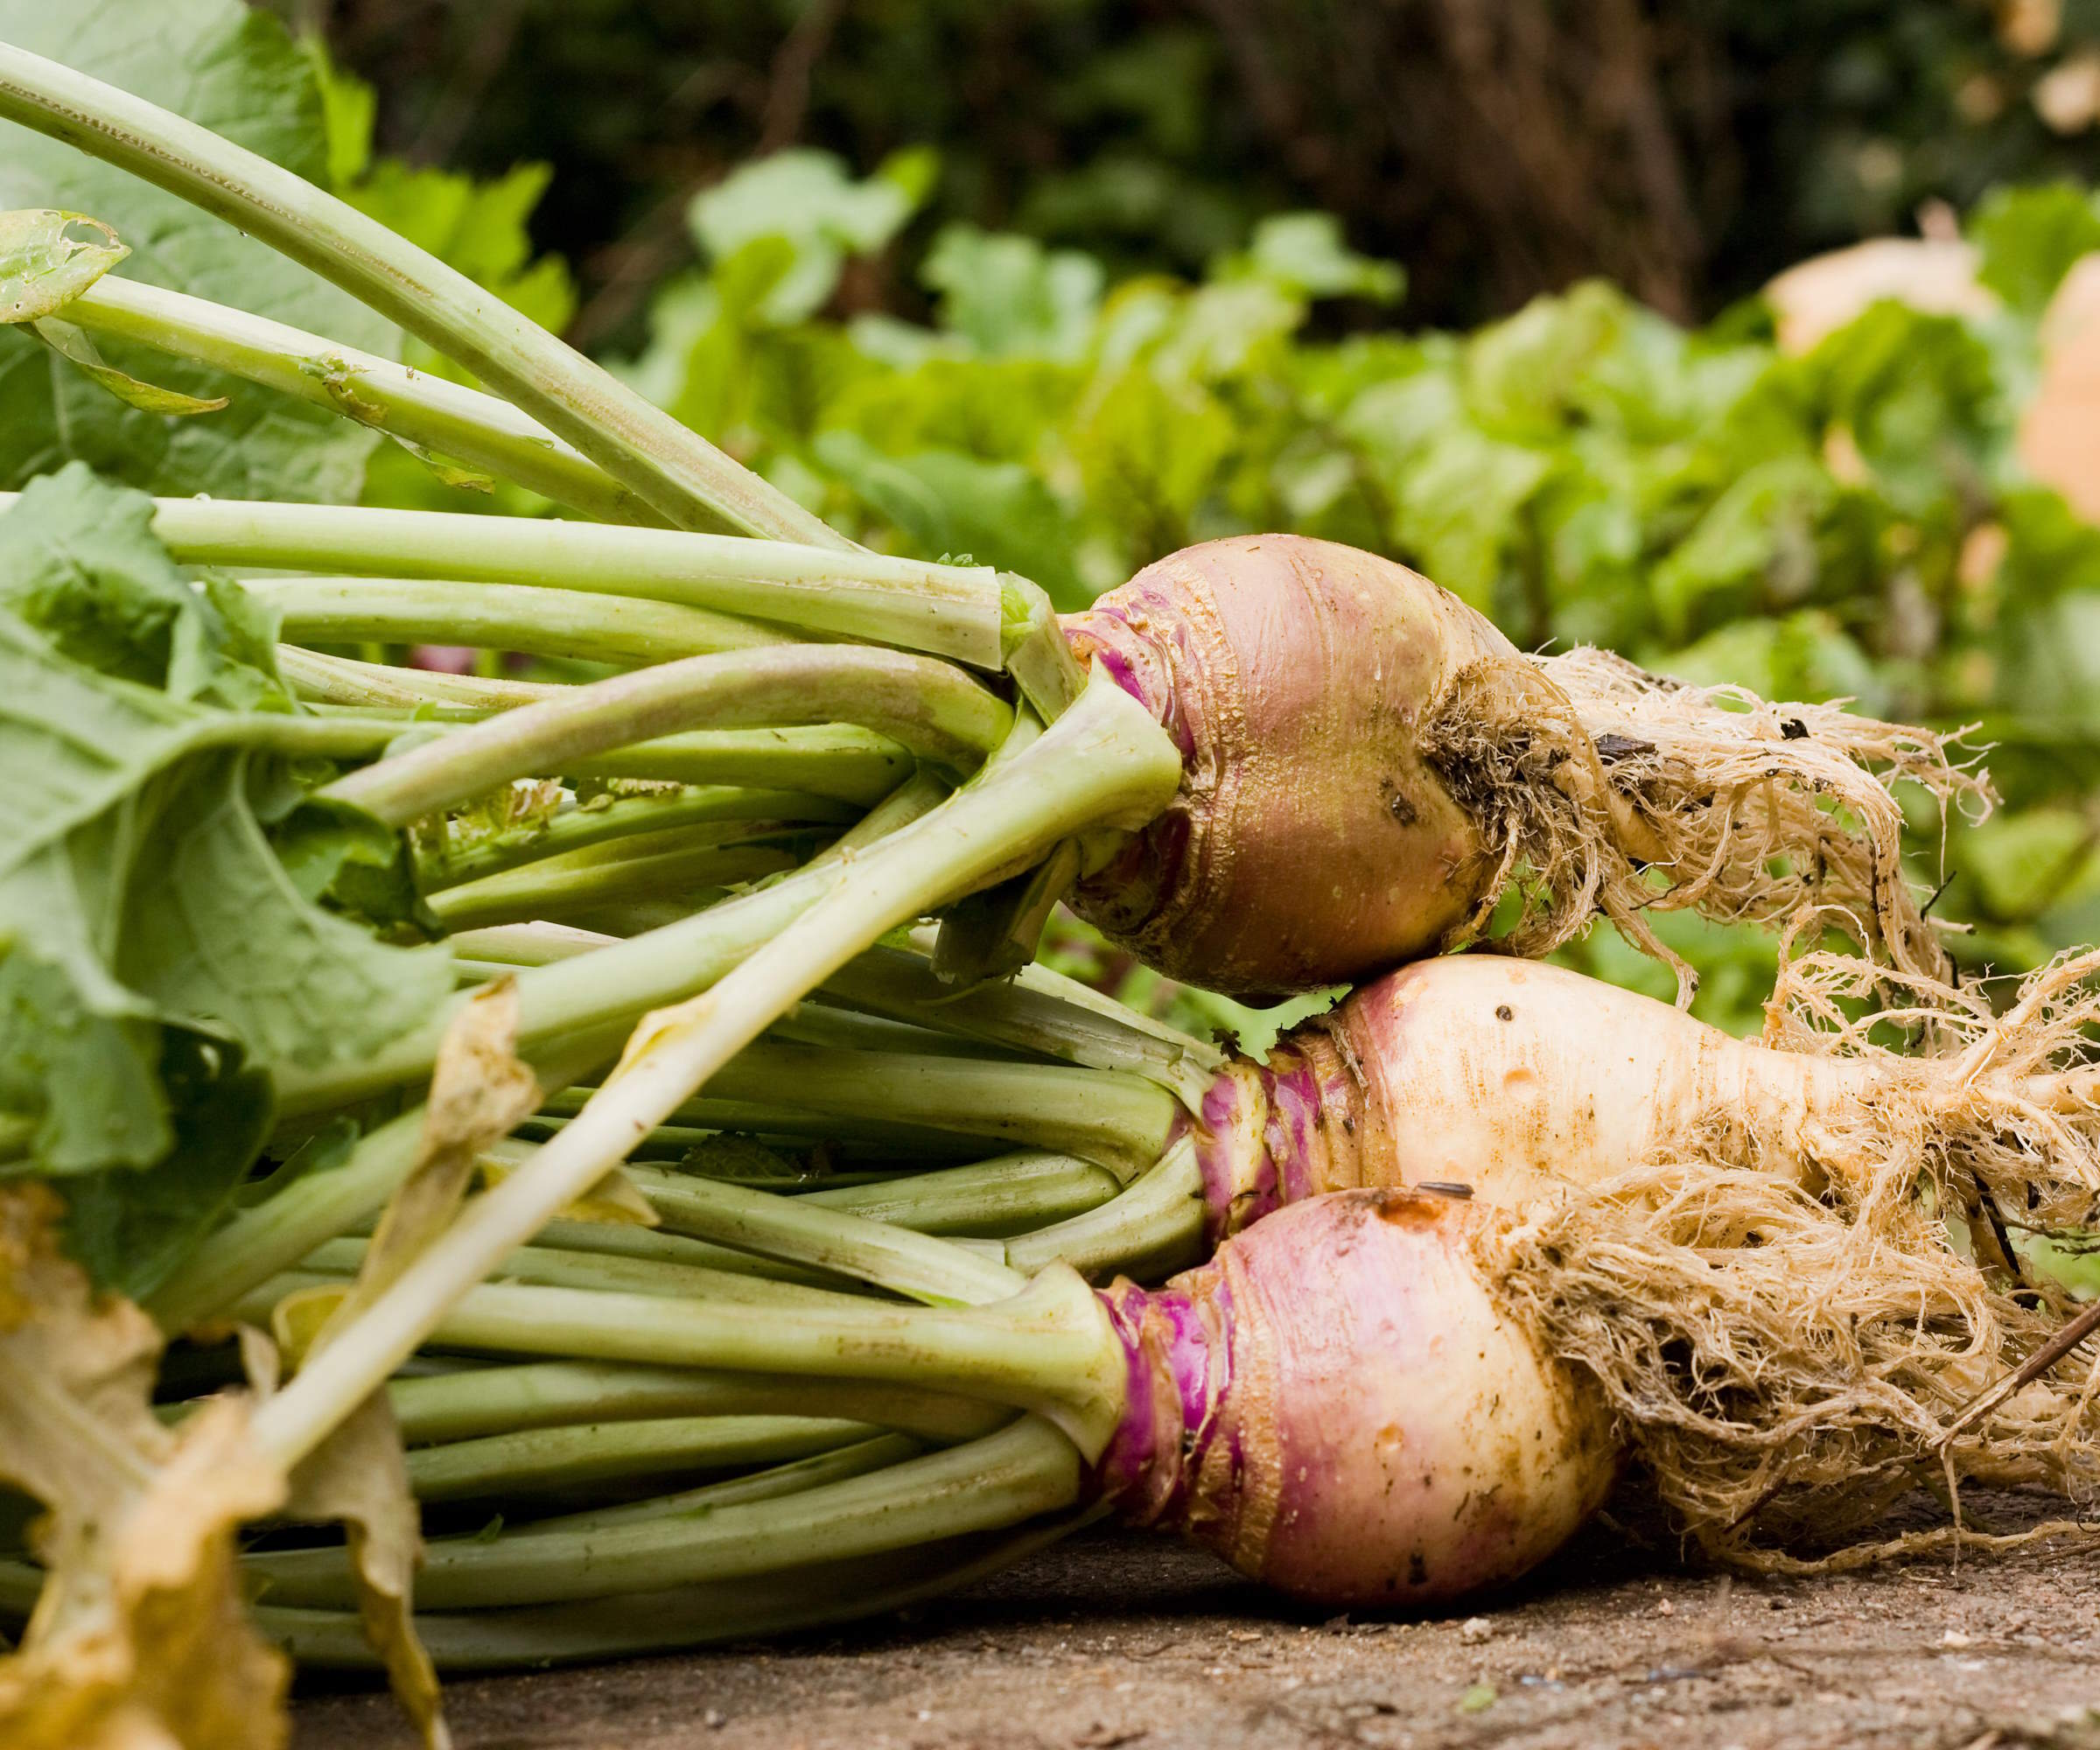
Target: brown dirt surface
[(1118, 1642)]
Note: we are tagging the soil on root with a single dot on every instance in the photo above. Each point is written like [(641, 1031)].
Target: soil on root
[(1120, 1640)]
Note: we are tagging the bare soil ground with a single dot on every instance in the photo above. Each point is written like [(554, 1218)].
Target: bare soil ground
[(1118, 1641)]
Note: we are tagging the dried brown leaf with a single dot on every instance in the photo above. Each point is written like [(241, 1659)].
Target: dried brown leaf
[(141, 1636)]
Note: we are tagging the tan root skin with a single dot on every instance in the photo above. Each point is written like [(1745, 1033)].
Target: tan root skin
[(1305, 670), (1522, 1080), (1369, 765), (1514, 1078)]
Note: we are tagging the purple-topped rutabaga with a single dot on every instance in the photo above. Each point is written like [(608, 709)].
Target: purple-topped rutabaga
[(1336, 1405), (1368, 765)]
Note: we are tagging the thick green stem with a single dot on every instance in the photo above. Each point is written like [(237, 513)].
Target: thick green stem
[(1036, 1011), (801, 1597), (1104, 765), (1049, 1348), (257, 1243), (609, 820), (919, 796), (934, 709), (945, 610), (428, 411), (344, 680), (650, 1245), (861, 1139), (495, 1400), (583, 881), (680, 473), (1155, 1227), (856, 1459), (839, 760), (740, 1220), (1122, 1121), (795, 1228), (1010, 1193), (549, 1266), (629, 630), (1093, 762), (568, 1457), (1021, 1471), (835, 1028)]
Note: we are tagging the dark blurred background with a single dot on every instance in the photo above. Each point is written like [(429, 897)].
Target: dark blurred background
[(1685, 149)]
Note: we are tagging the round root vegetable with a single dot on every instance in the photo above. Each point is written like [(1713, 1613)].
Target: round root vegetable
[(1336, 1402), (1514, 1079), (1368, 765), (1338, 1405)]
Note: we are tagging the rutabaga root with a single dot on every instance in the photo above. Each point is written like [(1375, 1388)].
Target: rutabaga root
[(1786, 1371), (1604, 776), (2001, 1120), (1368, 766), (1788, 1352)]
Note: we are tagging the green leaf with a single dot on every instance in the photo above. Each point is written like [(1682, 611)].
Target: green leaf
[(339, 855), (1802, 655), (1455, 492), (2021, 862), (236, 72), (2029, 237), (88, 1081), (945, 502), (141, 903), (1008, 296), (1150, 453), (79, 560), (130, 1228), (77, 346), (1761, 532), (1920, 398), (219, 933), (48, 259), (1522, 375), (1222, 331), (2050, 551), (349, 111), (808, 199), (1305, 253)]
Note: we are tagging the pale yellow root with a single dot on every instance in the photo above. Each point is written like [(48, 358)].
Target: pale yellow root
[(2002, 1115), (1786, 1364), (1623, 792)]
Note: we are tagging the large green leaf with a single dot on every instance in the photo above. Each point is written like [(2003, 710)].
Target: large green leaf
[(1009, 296), (158, 959), (128, 1228), (79, 562), (237, 73)]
